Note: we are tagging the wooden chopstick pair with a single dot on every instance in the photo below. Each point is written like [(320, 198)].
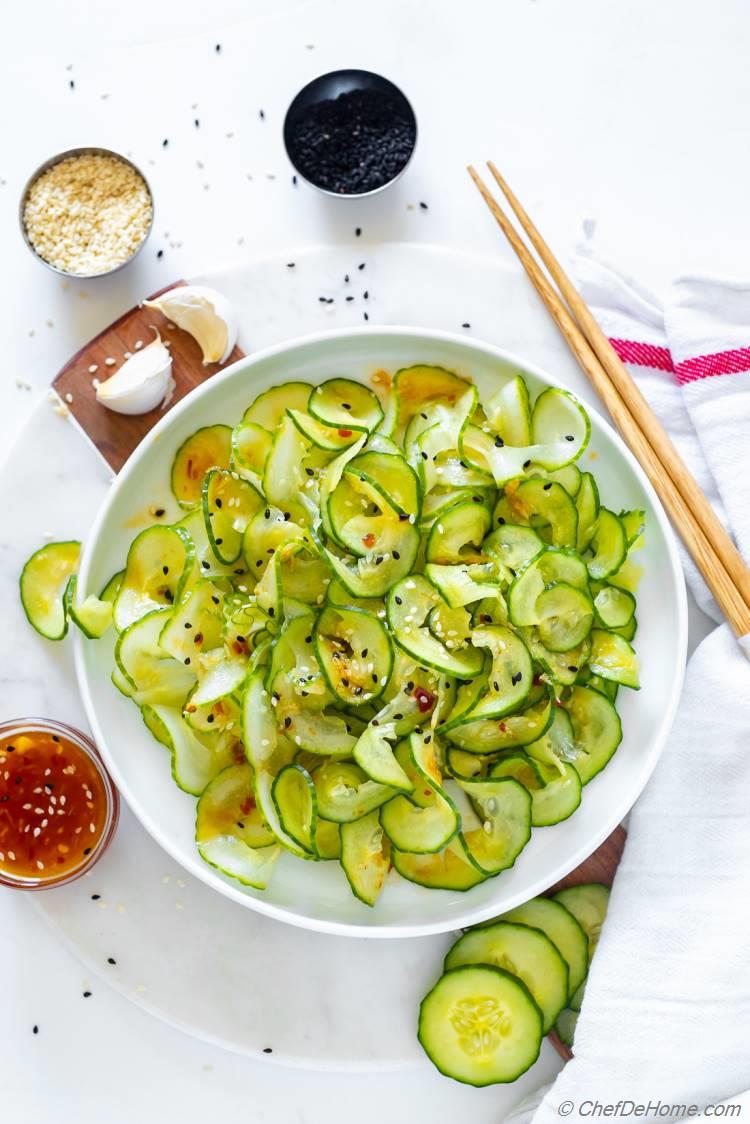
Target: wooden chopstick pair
[(710, 546)]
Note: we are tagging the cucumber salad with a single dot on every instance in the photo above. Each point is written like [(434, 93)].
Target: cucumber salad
[(387, 626)]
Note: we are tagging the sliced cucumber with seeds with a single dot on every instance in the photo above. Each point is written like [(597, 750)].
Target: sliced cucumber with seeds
[(613, 658), (459, 533), (270, 407), (365, 857), (527, 953), (555, 790), (345, 793), (564, 617), (44, 579), (489, 735), (426, 820), (407, 607), (251, 444), (546, 569), (207, 448), (392, 476), (229, 503), (504, 809), (345, 405), (160, 562), (509, 412), (597, 730), (562, 928), (296, 804), (480, 1025), (609, 545), (614, 607), (513, 545), (354, 652)]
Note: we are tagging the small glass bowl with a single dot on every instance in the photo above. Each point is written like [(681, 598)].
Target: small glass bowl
[(20, 726), (67, 155)]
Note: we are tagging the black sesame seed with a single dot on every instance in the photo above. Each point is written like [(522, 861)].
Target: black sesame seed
[(287, 722), (215, 599), (546, 487), (365, 316), (72, 85), (346, 278), (374, 677), (526, 464), (10, 749), (403, 517), (95, 897), (466, 324), (309, 472), (500, 520), (271, 611), (186, 660), (424, 206), (499, 443), (210, 718), (160, 253), (424, 455), (308, 640), (206, 565), (267, 514), (496, 685), (188, 624), (87, 850), (111, 960), (218, 502), (290, 265), (267, 1050), (197, 123), (35, 1028), (219, 542), (374, 722), (294, 181), (379, 559), (361, 265), (350, 298), (87, 995), (428, 739), (398, 717), (217, 48), (569, 437), (55, 738), (516, 678), (358, 231), (572, 667), (165, 143), (346, 405), (396, 555), (366, 295), (261, 114), (398, 600)]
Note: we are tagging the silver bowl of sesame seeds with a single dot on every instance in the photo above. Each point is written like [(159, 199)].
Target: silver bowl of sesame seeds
[(86, 212)]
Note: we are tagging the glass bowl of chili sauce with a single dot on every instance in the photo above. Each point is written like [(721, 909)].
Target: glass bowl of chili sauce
[(58, 806)]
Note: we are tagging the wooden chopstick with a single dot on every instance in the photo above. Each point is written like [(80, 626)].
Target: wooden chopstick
[(634, 400), (727, 582)]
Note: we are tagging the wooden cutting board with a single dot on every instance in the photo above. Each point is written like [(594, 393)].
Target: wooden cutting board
[(116, 436)]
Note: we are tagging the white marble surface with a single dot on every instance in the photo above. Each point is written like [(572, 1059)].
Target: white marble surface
[(649, 147)]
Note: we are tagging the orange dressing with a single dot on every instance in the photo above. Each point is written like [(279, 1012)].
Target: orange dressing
[(53, 806)]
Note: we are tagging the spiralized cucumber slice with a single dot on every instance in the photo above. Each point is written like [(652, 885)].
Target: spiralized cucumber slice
[(546, 503), (160, 562), (365, 853), (195, 760), (93, 616), (374, 574), (560, 425), (296, 804), (587, 506), (614, 659), (270, 407), (112, 588), (207, 448), (448, 869), (229, 503), (44, 579), (345, 793), (462, 585), (407, 607), (504, 809), (513, 545), (564, 617), (427, 820), (458, 534), (614, 607), (251, 444), (322, 436), (227, 807), (609, 545), (488, 735), (284, 477), (480, 1025), (526, 953), (417, 385), (374, 754), (195, 625), (392, 476), (345, 406), (510, 677), (509, 413), (597, 730), (355, 654)]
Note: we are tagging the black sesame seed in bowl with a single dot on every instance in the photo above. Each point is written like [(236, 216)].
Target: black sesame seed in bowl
[(350, 133)]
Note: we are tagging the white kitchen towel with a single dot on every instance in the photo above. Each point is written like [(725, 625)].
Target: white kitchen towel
[(667, 1010)]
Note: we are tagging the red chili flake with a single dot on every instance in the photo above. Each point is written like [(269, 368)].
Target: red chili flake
[(425, 699), (247, 805), (345, 433), (558, 703), (368, 539), (502, 728), (537, 681)]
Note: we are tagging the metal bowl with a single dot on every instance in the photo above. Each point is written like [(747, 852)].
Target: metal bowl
[(327, 87), (88, 150)]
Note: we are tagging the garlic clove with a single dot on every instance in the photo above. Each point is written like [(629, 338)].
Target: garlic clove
[(206, 314), (142, 382)]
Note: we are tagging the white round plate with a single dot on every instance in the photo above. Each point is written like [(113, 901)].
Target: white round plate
[(317, 897)]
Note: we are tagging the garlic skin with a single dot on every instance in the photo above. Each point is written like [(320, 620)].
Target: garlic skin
[(141, 384), (206, 314)]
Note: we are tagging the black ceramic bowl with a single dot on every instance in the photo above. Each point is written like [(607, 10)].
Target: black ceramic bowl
[(350, 133)]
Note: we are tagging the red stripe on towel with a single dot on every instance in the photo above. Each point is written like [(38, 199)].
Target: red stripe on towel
[(720, 363), (644, 354)]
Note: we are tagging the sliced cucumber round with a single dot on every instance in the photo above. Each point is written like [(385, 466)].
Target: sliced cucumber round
[(597, 730), (562, 928), (44, 580), (346, 406), (480, 1025), (526, 953), (354, 652), (588, 904), (296, 803), (504, 810), (407, 608)]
